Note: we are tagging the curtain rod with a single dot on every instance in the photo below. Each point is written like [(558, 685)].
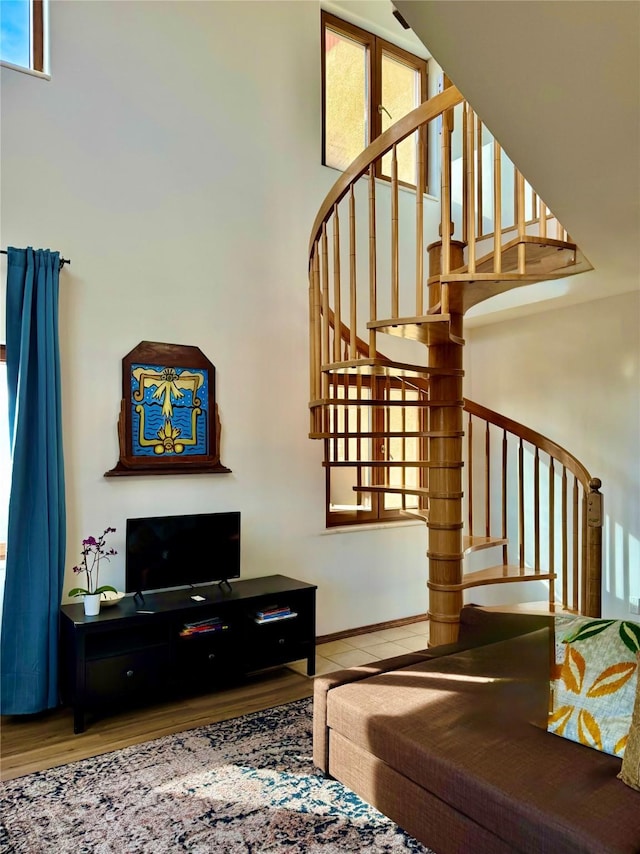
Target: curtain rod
[(61, 263)]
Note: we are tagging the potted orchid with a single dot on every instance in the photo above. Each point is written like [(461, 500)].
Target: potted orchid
[(93, 551)]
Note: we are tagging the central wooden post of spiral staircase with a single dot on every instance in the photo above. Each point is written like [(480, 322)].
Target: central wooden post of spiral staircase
[(445, 521)]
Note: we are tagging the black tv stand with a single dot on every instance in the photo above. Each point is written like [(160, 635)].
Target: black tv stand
[(126, 656), (137, 596), (224, 582)]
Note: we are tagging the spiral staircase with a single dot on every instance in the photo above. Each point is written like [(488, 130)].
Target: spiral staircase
[(400, 424)]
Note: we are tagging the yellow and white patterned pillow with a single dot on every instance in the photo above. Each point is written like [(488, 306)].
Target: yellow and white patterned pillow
[(630, 771), (593, 681)]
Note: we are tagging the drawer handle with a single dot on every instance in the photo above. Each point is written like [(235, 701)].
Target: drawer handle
[(211, 656), (281, 640), (129, 672)]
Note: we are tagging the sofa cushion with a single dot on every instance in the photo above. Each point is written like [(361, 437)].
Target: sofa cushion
[(630, 771), (470, 729), (594, 681)]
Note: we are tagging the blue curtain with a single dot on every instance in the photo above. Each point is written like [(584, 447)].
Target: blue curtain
[(36, 536)]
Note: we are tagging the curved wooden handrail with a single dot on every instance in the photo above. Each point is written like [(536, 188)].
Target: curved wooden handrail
[(538, 440), (426, 112)]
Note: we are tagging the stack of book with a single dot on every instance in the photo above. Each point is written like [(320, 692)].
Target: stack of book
[(213, 624), (276, 612)]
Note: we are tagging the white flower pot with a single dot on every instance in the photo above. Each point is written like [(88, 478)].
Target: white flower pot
[(91, 604)]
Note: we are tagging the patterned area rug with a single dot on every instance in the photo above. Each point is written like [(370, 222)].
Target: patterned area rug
[(244, 785)]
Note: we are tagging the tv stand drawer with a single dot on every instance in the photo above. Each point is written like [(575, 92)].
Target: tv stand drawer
[(111, 679)]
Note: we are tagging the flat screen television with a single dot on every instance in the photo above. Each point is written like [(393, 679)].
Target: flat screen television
[(181, 551)]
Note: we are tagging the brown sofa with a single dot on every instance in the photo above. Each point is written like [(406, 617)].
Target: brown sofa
[(451, 744)]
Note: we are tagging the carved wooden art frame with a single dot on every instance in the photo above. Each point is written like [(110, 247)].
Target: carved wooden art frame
[(168, 421)]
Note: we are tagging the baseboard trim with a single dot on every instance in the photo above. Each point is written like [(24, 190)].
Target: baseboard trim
[(374, 627)]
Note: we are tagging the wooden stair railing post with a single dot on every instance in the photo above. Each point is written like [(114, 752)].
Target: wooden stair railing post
[(594, 549), (445, 521)]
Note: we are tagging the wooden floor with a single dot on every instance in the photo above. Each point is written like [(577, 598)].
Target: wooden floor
[(34, 743)]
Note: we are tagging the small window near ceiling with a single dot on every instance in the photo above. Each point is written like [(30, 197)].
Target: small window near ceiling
[(22, 33), (368, 85)]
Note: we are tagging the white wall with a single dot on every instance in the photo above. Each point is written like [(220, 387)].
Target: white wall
[(175, 158), (574, 375)]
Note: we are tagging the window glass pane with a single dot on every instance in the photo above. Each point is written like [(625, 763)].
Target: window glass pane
[(529, 207), (403, 420), (346, 93), (487, 143), (508, 192), (349, 419), (400, 95), (457, 173), (15, 32)]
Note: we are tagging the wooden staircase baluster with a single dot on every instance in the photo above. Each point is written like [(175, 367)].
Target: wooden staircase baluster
[(353, 291), (594, 549), (359, 422), (470, 470), (497, 207), (336, 417), (395, 282), (575, 544), (505, 449), (471, 193), (373, 298), (345, 420), (536, 510), (479, 181), (584, 550), (565, 540), (487, 480), (521, 530), (337, 341), (445, 193), (420, 188), (403, 427), (552, 531), (520, 222), (326, 350), (316, 324)]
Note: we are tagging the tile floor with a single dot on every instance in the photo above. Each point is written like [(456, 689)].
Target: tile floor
[(362, 649)]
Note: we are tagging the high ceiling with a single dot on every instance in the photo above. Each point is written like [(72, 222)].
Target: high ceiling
[(558, 84)]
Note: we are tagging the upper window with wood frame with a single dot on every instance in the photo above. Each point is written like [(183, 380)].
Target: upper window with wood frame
[(22, 33), (368, 84)]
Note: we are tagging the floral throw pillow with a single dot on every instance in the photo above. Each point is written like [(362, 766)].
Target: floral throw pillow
[(630, 771), (593, 681)]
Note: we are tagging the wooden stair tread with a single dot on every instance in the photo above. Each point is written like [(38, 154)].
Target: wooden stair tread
[(546, 259), (388, 368), (541, 607), (474, 544), (426, 464), (407, 490), (401, 490), (388, 434), (422, 515), (427, 328), (505, 574), (370, 401), (545, 251)]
